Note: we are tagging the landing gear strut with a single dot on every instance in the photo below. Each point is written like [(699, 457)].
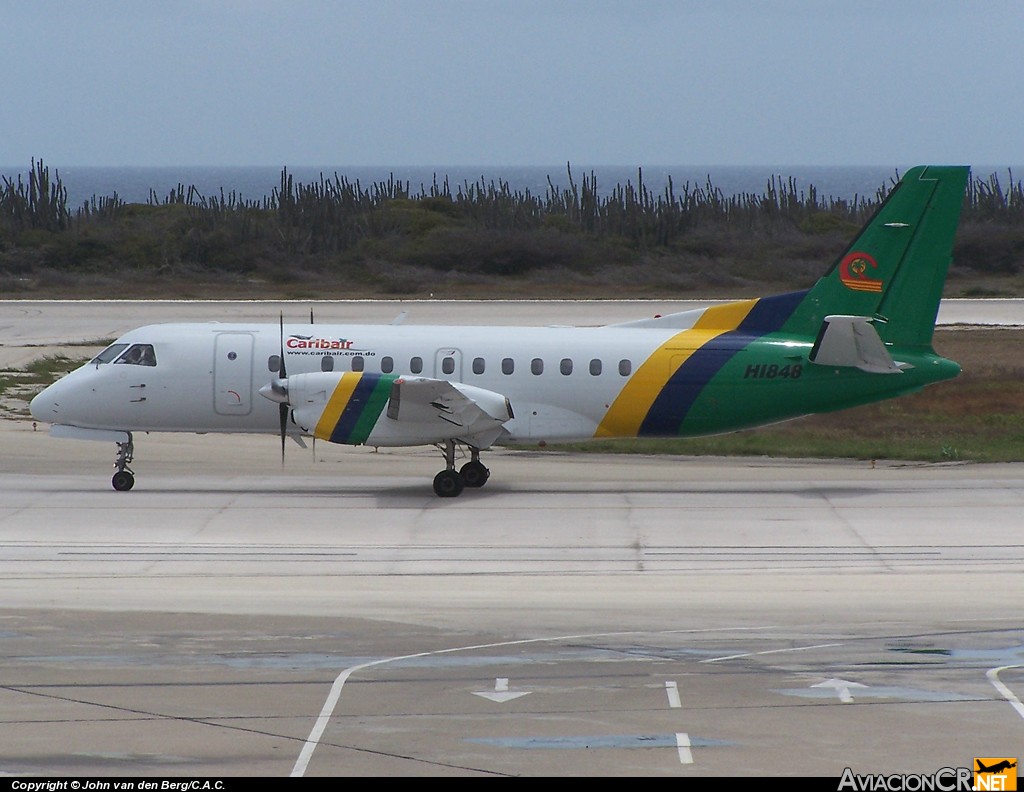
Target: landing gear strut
[(123, 480), (449, 483)]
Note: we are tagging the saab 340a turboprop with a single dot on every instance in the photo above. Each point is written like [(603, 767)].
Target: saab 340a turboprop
[(862, 333)]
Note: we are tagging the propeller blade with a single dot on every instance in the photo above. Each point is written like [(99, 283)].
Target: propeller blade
[(282, 371), (283, 412), (282, 409)]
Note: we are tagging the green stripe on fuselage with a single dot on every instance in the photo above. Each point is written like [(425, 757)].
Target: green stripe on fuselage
[(771, 380), (642, 400)]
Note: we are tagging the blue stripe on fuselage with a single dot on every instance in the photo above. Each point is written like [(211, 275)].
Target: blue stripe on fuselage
[(672, 404)]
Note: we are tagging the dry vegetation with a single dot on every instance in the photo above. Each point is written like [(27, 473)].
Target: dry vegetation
[(334, 238)]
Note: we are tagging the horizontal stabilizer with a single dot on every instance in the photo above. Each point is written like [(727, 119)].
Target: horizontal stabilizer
[(852, 341)]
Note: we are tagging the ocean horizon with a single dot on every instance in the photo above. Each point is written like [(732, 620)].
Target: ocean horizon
[(253, 183)]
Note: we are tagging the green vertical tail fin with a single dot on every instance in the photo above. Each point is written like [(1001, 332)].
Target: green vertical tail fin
[(896, 267)]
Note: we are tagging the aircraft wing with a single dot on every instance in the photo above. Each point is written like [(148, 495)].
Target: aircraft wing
[(426, 400)]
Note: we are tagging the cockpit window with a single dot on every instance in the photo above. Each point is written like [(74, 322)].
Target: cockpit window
[(138, 355), (109, 353)]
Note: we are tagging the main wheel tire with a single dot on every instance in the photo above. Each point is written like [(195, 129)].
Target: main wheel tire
[(448, 484), (474, 474), (123, 481)]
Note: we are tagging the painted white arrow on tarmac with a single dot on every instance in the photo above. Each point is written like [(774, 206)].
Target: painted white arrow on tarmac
[(501, 693), (842, 688)]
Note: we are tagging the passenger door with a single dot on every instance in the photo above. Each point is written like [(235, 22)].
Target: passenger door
[(232, 374)]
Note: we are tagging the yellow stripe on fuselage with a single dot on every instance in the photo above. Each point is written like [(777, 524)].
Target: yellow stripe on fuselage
[(336, 405), (634, 401)]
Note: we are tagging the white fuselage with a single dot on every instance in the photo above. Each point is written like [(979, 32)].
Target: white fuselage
[(560, 381)]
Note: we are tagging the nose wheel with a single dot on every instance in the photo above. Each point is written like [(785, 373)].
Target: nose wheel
[(123, 480)]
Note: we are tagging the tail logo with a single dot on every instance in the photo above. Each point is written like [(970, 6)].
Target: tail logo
[(854, 273)]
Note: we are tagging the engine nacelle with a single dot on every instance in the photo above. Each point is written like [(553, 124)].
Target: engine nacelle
[(359, 408)]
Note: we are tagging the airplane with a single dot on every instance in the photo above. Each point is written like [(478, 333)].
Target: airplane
[(862, 333), (997, 768)]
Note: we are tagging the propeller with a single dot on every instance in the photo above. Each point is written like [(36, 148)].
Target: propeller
[(282, 409), (277, 390)]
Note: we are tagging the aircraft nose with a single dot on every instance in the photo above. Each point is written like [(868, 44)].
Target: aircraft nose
[(44, 406)]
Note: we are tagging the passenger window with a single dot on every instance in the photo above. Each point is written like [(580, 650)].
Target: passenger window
[(595, 367), (387, 365), (448, 365), (138, 355), (327, 363), (565, 366), (478, 365), (416, 365), (625, 367), (358, 363), (109, 353), (274, 363), (537, 366), (508, 365)]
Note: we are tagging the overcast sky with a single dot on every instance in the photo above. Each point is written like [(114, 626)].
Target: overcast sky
[(511, 82)]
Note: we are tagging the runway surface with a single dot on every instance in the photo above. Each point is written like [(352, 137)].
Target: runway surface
[(579, 616)]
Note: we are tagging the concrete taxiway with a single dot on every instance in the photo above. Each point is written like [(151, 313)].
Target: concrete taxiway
[(579, 616)]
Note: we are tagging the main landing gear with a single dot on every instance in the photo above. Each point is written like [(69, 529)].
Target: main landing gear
[(123, 480), (450, 482)]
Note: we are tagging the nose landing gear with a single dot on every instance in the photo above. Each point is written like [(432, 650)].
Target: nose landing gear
[(124, 479)]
